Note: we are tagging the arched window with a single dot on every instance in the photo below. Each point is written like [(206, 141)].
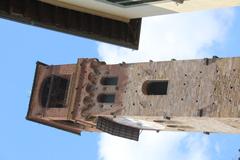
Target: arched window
[(54, 92), (155, 87)]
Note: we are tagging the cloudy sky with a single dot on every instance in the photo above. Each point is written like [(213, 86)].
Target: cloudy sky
[(180, 36)]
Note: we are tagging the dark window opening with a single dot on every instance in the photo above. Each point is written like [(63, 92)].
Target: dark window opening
[(54, 92), (155, 87), (45, 90), (106, 98), (109, 80)]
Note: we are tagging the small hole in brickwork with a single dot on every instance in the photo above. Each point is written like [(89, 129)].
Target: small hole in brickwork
[(172, 126), (159, 121), (181, 99), (184, 84), (196, 101), (200, 112), (231, 87), (200, 72), (185, 75), (234, 70), (134, 104)]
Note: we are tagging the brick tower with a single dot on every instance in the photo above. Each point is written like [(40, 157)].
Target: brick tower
[(123, 99)]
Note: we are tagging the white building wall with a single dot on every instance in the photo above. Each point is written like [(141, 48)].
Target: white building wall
[(109, 10)]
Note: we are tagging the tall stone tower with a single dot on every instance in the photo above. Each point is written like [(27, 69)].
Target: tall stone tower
[(123, 99)]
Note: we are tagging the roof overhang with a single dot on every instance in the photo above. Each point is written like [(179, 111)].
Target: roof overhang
[(74, 22)]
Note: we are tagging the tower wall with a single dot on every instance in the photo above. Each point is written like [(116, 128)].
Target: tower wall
[(201, 95), (193, 86)]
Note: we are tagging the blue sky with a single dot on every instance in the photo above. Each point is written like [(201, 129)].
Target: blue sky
[(22, 45)]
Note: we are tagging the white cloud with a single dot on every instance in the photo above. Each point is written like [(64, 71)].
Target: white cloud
[(180, 36), (154, 146)]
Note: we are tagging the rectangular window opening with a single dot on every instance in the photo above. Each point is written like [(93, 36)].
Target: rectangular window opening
[(58, 92), (54, 91), (106, 98), (109, 80)]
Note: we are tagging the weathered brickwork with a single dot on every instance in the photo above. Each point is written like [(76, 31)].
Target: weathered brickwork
[(187, 95)]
